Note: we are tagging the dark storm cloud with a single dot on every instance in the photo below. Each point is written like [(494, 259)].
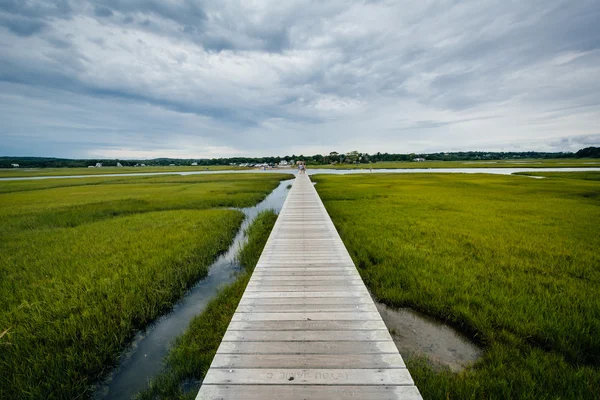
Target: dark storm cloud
[(266, 76), (101, 11), (22, 26)]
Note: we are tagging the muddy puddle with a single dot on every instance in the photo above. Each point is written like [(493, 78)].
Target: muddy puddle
[(416, 334)]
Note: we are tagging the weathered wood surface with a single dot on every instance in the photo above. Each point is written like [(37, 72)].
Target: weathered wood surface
[(306, 327)]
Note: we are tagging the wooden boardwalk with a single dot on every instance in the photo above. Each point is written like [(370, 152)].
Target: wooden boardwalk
[(306, 327)]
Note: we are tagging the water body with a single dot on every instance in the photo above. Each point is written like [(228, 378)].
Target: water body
[(417, 334), (495, 171), (143, 359)]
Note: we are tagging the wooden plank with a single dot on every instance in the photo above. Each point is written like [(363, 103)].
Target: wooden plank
[(303, 392), (308, 316), (331, 376), (305, 336), (307, 288), (282, 280), (306, 325), (308, 361), (305, 308), (346, 281), (254, 295), (332, 347), (306, 300)]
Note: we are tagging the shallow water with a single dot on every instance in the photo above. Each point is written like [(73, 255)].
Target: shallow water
[(495, 171), (416, 334), (144, 357)]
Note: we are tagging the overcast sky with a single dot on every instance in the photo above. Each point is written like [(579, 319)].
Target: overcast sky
[(187, 78)]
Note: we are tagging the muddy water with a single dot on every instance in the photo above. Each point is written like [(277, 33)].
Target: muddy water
[(416, 334), (143, 359)]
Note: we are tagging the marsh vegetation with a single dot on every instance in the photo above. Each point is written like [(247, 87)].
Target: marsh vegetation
[(191, 355), (510, 261), (85, 263), (523, 163)]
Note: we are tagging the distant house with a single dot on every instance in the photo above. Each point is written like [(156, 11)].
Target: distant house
[(15, 165), (283, 163), (119, 164), (171, 165), (99, 165), (194, 164), (418, 159)]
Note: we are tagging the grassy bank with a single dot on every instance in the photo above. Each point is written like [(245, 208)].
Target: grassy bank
[(84, 265), (191, 355), (25, 172), (586, 176), (511, 261), (530, 163)]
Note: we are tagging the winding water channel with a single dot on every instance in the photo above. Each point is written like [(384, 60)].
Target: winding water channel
[(143, 359)]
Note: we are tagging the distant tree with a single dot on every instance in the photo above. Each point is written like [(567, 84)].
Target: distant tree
[(352, 157), (588, 152)]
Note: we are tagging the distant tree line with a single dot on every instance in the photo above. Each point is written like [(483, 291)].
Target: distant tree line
[(352, 157)]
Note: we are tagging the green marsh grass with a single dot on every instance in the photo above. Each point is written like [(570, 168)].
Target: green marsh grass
[(586, 175), (25, 172), (525, 163), (509, 260), (82, 267), (191, 355)]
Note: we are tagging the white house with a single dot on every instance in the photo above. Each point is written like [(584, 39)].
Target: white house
[(283, 163), (99, 165), (419, 159), (119, 164), (15, 165), (194, 164)]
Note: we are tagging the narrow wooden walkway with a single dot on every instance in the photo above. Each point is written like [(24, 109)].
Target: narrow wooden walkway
[(306, 327)]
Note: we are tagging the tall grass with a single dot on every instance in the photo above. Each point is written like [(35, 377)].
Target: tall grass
[(24, 172), (510, 260), (83, 267), (525, 163), (586, 175), (192, 353)]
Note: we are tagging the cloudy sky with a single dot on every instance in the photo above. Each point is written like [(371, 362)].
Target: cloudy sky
[(200, 78)]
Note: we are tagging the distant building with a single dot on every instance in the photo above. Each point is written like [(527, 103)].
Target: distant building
[(194, 164), (119, 164), (171, 165), (418, 159), (15, 165), (283, 163), (99, 165)]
